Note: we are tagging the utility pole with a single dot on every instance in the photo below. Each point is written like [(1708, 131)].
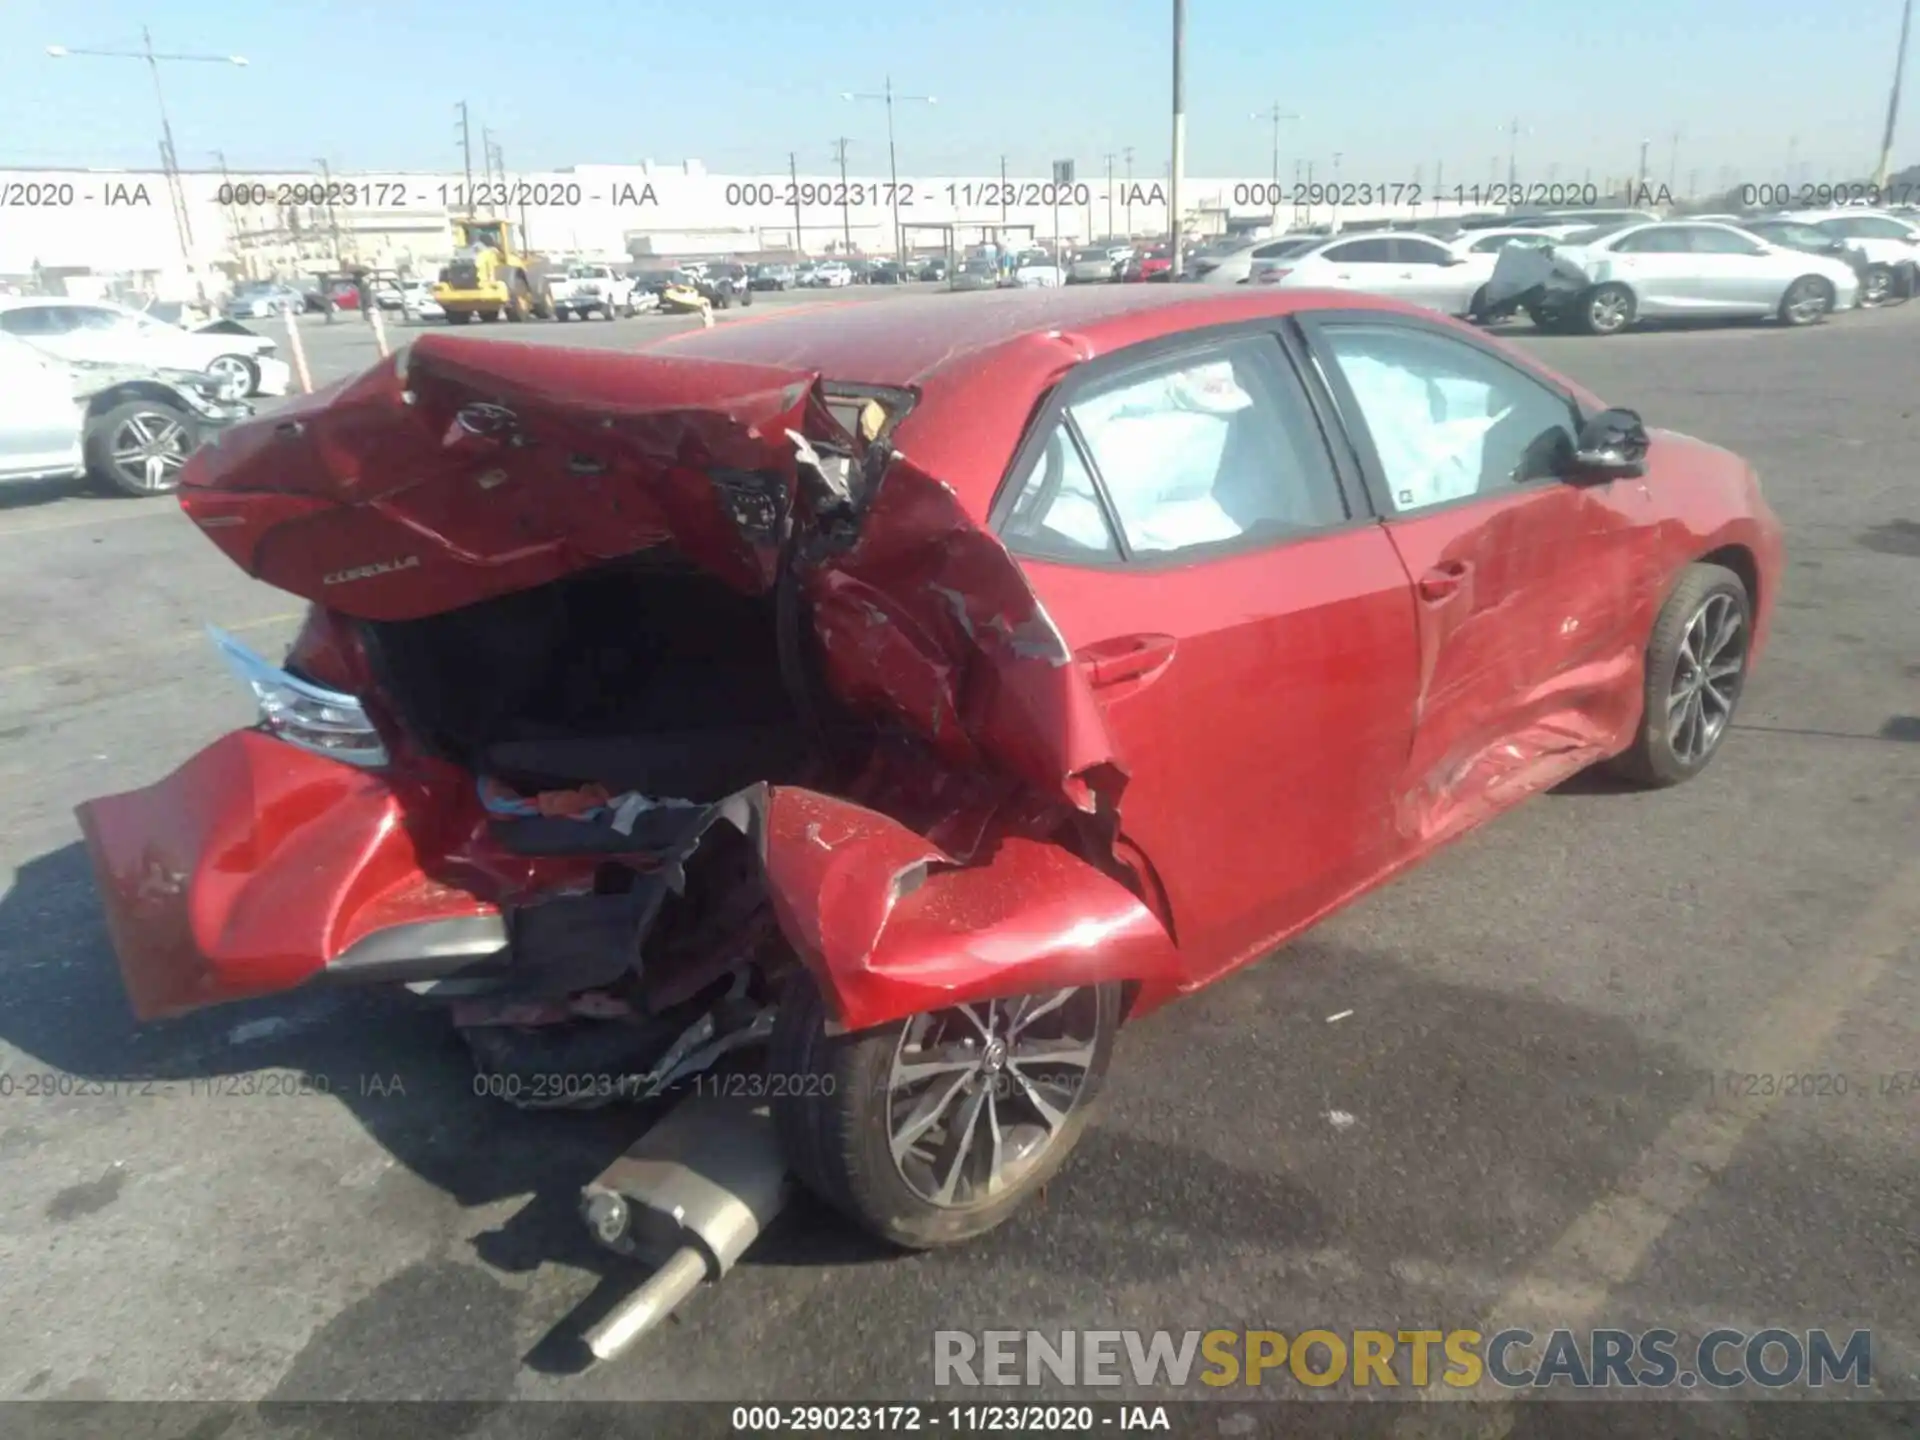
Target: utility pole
[(1673, 160), (1893, 99), (1003, 199), (1513, 158), (793, 173), (231, 211), (1642, 172), (333, 221), (1110, 159), (498, 158), (1276, 115), (486, 157), (846, 218), (466, 152), (1179, 162), (1127, 155), (893, 166), (169, 155)]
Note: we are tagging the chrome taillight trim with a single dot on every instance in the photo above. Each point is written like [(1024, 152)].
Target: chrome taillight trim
[(292, 709)]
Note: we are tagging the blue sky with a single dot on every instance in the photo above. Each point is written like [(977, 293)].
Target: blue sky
[(1387, 84)]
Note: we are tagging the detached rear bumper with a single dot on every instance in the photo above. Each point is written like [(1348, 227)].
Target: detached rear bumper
[(258, 865)]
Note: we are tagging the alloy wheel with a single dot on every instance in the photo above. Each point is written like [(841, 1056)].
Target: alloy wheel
[(234, 377), (149, 449), (1608, 312), (1807, 302), (1875, 287), (1706, 678), (978, 1094)]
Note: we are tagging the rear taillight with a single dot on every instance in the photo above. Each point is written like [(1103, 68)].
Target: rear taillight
[(312, 716)]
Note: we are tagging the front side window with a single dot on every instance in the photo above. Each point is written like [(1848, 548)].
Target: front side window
[(1447, 420)]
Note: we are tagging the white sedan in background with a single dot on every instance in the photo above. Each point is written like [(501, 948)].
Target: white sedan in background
[(1602, 281), (242, 362), (1886, 242), (831, 275), (1037, 271), (1406, 266)]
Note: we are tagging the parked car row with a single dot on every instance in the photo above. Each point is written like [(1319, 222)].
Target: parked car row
[(1599, 277)]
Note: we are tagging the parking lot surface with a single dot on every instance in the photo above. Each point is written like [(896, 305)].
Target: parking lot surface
[(1517, 1116)]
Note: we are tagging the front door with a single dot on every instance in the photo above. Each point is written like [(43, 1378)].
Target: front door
[(1248, 632), (1525, 584)]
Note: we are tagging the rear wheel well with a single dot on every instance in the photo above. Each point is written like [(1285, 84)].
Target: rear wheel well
[(1740, 561)]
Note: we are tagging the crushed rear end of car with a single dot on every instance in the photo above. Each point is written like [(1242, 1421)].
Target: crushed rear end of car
[(631, 687)]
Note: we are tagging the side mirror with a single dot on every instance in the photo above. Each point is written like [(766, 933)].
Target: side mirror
[(1610, 445)]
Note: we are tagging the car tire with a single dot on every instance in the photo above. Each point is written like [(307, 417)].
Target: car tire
[(108, 439), (838, 1107), (1695, 672), (746, 297), (1606, 309), (239, 377), (1808, 301), (1876, 285)]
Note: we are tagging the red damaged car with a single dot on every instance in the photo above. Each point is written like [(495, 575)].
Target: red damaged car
[(912, 694)]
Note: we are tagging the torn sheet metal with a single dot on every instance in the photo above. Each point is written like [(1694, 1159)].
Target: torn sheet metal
[(929, 617), (891, 926), (453, 473), (1522, 270)]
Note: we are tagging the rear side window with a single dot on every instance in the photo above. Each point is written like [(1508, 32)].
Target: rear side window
[(1360, 252), (1196, 451)]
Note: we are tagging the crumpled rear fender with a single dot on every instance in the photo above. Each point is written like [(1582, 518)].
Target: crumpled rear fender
[(890, 925)]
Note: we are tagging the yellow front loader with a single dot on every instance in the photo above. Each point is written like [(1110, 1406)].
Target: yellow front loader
[(489, 277)]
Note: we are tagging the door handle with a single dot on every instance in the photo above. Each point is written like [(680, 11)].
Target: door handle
[(1128, 657), (1444, 580)]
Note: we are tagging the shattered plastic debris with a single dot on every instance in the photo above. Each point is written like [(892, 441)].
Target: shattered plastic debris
[(589, 802), (632, 805)]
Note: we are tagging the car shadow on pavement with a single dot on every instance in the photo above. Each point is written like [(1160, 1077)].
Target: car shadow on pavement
[(395, 1063), (1256, 1165)]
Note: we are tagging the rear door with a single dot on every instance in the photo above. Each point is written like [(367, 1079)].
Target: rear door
[(1365, 265), (1736, 273), (1658, 264), (1247, 629), (1525, 585), (1430, 275), (39, 419)]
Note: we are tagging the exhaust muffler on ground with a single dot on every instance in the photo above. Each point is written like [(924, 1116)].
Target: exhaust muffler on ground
[(689, 1197)]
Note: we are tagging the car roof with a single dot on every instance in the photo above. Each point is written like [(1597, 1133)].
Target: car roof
[(911, 340)]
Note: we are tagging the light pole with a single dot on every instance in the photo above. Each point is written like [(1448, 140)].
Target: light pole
[(168, 155), (1514, 132), (1276, 115), (1179, 163), (1893, 99), (893, 167)]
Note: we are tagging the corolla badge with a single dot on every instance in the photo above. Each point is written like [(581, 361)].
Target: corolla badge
[(481, 418), (367, 572)]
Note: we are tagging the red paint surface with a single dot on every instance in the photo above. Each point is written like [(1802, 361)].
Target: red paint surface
[(1275, 731)]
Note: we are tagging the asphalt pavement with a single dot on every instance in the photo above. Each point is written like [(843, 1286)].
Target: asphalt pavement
[(1515, 1117)]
